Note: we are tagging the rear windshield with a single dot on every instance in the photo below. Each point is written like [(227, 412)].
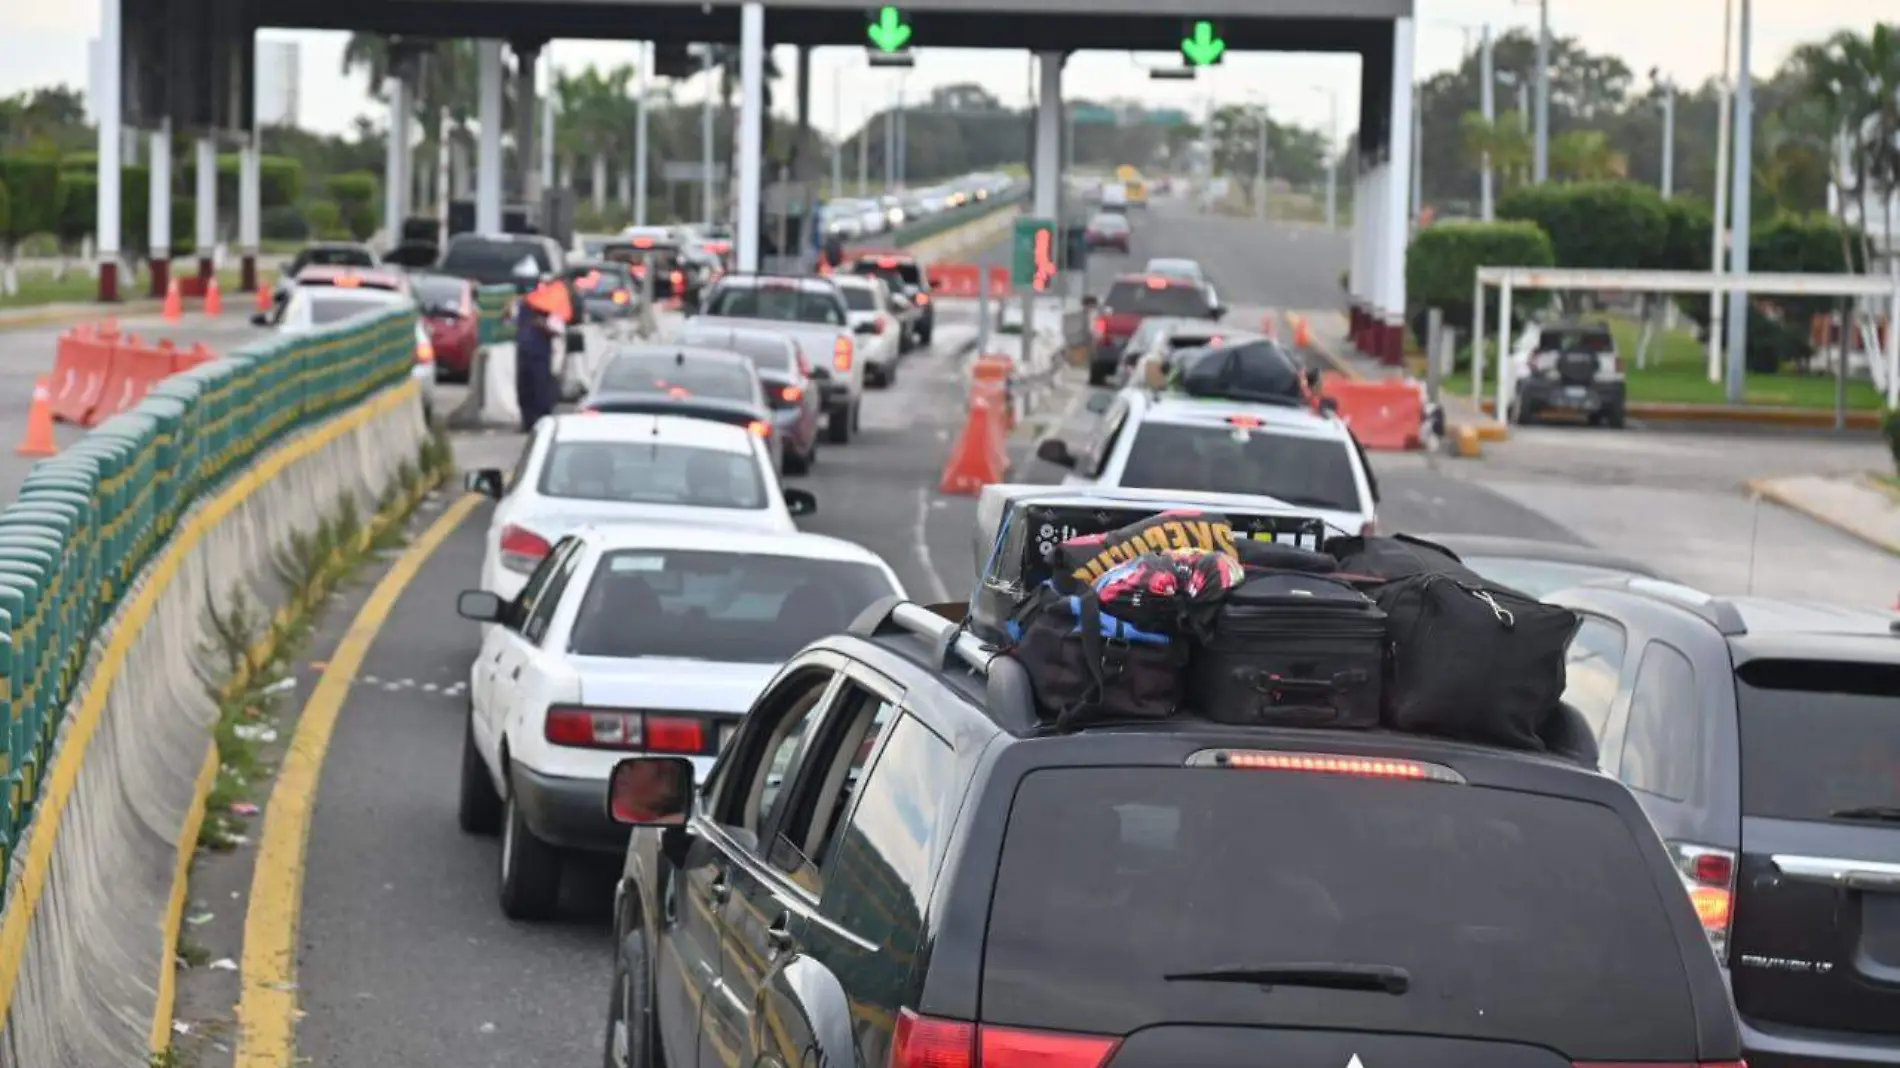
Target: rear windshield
[(1519, 917), (646, 472), (1314, 472), (766, 351), (784, 304), (642, 373), (1818, 738), (330, 257), (858, 298), (732, 607), (326, 309), (492, 263), (435, 289), (1139, 298), (896, 275), (1576, 341), (599, 280)]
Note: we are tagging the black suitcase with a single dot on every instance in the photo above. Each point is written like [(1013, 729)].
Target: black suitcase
[(1291, 650)]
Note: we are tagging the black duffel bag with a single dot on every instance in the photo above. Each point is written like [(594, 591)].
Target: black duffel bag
[(1289, 649), (1086, 666), (1396, 556), (1257, 370)]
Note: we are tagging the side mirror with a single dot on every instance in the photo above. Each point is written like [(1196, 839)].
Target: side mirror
[(1329, 404), (800, 502), (481, 606), (260, 319), (1055, 451), (648, 791), (1220, 312), (485, 481), (1313, 379), (1099, 403), (865, 328)]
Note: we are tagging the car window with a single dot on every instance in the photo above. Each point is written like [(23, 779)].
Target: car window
[(897, 276), (830, 777), (1312, 472), (1593, 669), (724, 607), (1104, 447), (678, 375), (634, 472), (746, 780), (538, 581), (548, 601), (1140, 298), (768, 352), (324, 306), (782, 303), (784, 753), (1518, 917), (1819, 738), (488, 262), (1662, 746), (1586, 340), (860, 298), (435, 289), (331, 257)]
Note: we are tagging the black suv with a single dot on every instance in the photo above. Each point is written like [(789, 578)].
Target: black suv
[(1575, 368), (1762, 737), (894, 864)]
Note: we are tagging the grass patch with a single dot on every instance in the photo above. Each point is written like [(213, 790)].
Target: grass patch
[(40, 287), (1677, 373)]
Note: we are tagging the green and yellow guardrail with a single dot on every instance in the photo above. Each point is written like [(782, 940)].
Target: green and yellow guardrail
[(88, 520)]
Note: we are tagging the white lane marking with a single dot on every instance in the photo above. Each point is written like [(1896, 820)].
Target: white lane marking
[(919, 538)]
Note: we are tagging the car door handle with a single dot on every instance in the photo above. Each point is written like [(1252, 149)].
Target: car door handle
[(779, 935), (516, 673), (720, 889)]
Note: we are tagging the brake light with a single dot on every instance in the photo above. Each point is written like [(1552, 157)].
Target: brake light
[(675, 734), (759, 429), (791, 394), (425, 347), (923, 1042), (621, 296), (1708, 874), (887, 261), (347, 281), (592, 728), (1157, 283), (841, 353), (922, 299), (679, 280), (1247, 422), (1100, 327), (642, 242), (1329, 763), (522, 549)]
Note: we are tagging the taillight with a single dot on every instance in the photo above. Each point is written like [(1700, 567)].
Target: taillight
[(1326, 763), (759, 429), (791, 394), (621, 296), (522, 550), (923, 1042), (1708, 874), (616, 728), (1100, 327), (679, 280), (922, 299), (841, 353)]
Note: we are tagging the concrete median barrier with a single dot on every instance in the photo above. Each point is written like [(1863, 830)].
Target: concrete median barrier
[(111, 562)]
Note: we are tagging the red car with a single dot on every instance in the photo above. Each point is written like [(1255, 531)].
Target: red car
[(455, 329), (1132, 298)]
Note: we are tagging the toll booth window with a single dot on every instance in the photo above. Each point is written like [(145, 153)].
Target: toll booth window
[(1139, 298)]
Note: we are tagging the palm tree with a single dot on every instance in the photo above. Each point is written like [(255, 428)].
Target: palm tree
[(596, 122), (1507, 140), (1586, 156)]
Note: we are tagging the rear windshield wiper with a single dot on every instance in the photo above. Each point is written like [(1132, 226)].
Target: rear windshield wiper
[(1884, 814), (1376, 978)]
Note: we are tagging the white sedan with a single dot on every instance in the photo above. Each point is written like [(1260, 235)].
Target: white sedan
[(872, 311), (631, 639), (323, 296), (580, 468)]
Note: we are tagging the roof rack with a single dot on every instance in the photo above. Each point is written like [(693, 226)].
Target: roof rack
[(1717, 611), (1007, 696)]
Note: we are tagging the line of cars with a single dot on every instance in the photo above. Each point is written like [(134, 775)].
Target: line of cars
[(856, 218)]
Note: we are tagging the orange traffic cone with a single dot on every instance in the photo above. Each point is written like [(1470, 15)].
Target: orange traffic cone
[(174, 302), (214, 300), (979, 457), (39, 424), (1302, 332), (265, 301), (1269, 325)]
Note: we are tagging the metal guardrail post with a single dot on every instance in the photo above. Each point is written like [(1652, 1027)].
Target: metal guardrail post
[(1435, 336)]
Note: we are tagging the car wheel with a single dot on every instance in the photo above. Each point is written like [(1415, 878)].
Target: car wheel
[(631, 1042), (923, 336), (530, 868), (874, 378), (838, 426), (888, 377), (857, 416), (797, 463), (1614, 418), (1097, 376), (479, 810)]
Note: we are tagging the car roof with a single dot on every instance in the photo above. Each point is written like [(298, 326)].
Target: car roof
[(664, 351), (1558, 552), (643, 535), (803, 283), (856, 281), (1181, 410), (707, 329), (1168, 280), (660, 429), (1172, 261), (333, 276)]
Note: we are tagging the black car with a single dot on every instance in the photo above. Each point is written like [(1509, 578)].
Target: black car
[(673, 276), (607, 289), (895, 863), (905, 277), (1574, 369), (1762, 738)]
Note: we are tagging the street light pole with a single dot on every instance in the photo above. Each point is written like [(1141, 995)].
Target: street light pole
[(644, 75), (1260, 168), (1541, 162), (837, 131), (1332, 155), (1718, 236), (1487, 97), (1669, 140), (1741, 175), (706, 135)]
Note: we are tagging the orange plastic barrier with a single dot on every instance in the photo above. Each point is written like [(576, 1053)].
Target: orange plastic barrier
[(79, 370), (954, 279), (1386, 415), (186, 359), (999, 281), (980, 456), (992, 371), (133, 371)]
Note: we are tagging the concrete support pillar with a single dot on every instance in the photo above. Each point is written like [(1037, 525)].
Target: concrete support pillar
[(1356, 260), (1046, 168), (396, 163), (158, 210), (488, 151), (645, 75), (527, 174), (751, 150), (1375, 248), (250, 210), (111, 141), (1399, 194), (206, 211)]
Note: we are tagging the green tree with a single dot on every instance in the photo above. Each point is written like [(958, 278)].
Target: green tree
[(1595, 224), (1506, 140), (1441, 266)]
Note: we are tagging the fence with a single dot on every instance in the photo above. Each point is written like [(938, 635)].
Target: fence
[(88, 520)]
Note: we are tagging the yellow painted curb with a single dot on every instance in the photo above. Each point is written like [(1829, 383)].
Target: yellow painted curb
[(1468, 442), (36, 858), (1492, 430), (1763, 487), (267, 1005), (162, 1012)]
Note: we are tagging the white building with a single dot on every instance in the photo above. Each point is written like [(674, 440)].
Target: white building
[(277, 76)]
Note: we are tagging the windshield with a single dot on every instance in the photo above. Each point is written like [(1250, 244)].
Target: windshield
[(897, 276), (785, 304), (693, 375), (1314, 472), (1518, 916), (1818, 737), (649, 472), (435, 290), (1586, 339), (1175, 268), (330, 257), (1140, 298), (768, 352), (492, 263), (732, 607), (859, 298), (1538, 577)]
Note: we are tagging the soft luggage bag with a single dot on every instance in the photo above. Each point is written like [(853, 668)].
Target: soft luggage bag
[(1255, 370), (1478, 663), (1397, 556), (1085, 666), (1291, 650)]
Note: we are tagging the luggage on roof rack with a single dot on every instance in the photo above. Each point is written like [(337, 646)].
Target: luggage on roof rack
[(1256, 370)]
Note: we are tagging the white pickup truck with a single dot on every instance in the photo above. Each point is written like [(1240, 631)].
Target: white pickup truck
[(812, 312)]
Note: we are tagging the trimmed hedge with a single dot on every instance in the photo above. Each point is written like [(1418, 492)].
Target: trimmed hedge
[(5, 208), (1441, 268), (355, 196), (1595, 224), (36, 194)]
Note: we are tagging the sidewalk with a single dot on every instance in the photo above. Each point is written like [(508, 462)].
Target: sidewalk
[(1853, 504), (1465, 423)]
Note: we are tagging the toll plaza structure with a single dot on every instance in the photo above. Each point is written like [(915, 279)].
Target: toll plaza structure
[(188, 64)]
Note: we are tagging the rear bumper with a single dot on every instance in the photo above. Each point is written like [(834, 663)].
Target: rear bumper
[(1106, 357), (1784, 1047), (569, 813), (1552, 393)]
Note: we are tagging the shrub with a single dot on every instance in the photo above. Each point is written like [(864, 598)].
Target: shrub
[(324, 221), (285, 223), (355, 196), (1441, 268), (5, 212), (184, 226), (35, 190), (1595, 224)]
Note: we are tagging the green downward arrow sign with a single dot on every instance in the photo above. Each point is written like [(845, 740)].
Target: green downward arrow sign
[(1203, 49), (890, 32)]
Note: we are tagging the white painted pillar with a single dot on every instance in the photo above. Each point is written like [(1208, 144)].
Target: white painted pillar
[(1378, 238), (158, 209), (206, 211), (395, 158), (250, 210), (1399, 202), (1046, 198), (107, 109), (751, 132), (1355, 252), (488, 151), (644, 74), (1893, 338)]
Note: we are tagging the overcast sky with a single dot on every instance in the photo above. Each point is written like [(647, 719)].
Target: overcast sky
[(42, 42)]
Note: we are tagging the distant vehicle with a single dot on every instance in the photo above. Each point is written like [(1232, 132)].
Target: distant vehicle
[(626, 640), (591, 246), (1574, 368), (876, 325), (452, 319), (577, 470), (901, 272), (1183, 268), (1114, 199), (490, 259), (790, 390), (324, 254), (607, 289), (812, 312), (322, 297), (1108, 230), (1132, 298), (659, 247), (674, 379)]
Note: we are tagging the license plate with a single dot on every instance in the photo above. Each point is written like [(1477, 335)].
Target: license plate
[(726, 731), (1575, 394)]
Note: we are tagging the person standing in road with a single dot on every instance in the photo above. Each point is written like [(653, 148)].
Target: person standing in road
[(535, 331)]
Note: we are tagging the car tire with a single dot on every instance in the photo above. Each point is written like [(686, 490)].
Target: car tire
[(631, 1039), (479, 809), (838, 425), (797, 463), (923, 336), (530, 868), (1614, 418), (1097, 376), (857, 416), (888, 377), (874, 378)]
